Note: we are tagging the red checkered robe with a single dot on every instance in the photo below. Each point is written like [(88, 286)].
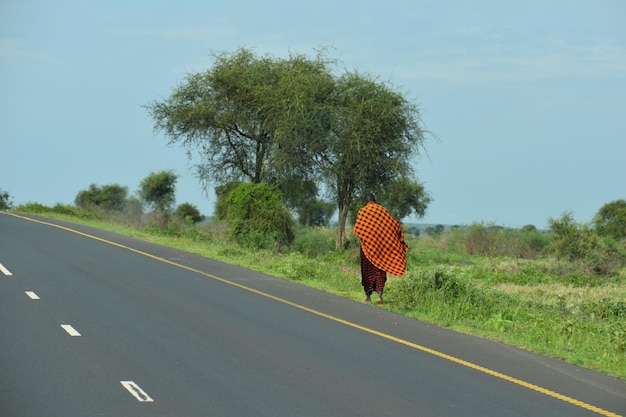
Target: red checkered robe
[(382, 241), (372, 278)]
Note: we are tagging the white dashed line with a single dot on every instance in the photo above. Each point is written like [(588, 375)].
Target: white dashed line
[(136, 392), (4, 270), (32, 295), (70, 330)]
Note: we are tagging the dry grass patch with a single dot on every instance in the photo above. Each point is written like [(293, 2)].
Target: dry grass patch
[(556, 293)]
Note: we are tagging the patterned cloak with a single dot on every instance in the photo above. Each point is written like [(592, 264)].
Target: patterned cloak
[(382, 240)]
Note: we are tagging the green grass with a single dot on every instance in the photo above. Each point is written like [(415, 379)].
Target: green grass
[(543, 305)]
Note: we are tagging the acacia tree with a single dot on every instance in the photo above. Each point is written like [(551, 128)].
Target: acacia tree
[(242, 114), (375, 133)]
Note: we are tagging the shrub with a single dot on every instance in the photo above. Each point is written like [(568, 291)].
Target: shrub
[(478, 240), (221, 205), (5, 200), (257, 218), (74, 211), (448, 286), (188, 212), (495, 240), (533, 242), (579, 242), (157, 219), (132, 213), (31, 207)]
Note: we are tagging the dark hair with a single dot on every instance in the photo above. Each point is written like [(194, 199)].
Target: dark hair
[(369, 198)]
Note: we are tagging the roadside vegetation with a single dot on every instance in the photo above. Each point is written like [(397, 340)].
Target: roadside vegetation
[(560, 292)]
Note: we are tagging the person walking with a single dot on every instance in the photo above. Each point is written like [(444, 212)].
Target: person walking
[(383, 249)]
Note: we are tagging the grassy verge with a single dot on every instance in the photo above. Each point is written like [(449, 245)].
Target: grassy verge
[(543, 305)]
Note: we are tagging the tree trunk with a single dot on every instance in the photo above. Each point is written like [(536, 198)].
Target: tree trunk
[(341, 227)]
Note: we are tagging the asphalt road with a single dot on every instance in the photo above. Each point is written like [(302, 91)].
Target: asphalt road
[(97, 324)]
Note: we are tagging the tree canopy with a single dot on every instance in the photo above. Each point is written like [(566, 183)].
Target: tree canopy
[(241, 114), (375, 134), (159, 190), (299, 126), (188, 212), (110, 197)]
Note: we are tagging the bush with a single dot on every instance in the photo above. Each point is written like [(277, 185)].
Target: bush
[(495, 240), (132, 214), (439, 282), (580, 243), (5, 200), (221, 205), (75, 212), (64, 209), (188, 213), (257, 218), (478, 240), (533, 243), (35, 208)]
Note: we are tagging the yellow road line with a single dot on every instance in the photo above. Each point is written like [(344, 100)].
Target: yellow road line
[(471, 365)]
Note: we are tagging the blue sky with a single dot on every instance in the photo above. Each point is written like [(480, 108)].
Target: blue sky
[(527, 99)]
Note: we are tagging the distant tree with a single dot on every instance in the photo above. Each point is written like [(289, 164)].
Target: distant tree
[(298, 194), (610, 220), (158, 190), (414, 230), (404, 197), (107, 197), (436, 230), (187, 211), (529, 228), (315, 212), (5, 200)]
